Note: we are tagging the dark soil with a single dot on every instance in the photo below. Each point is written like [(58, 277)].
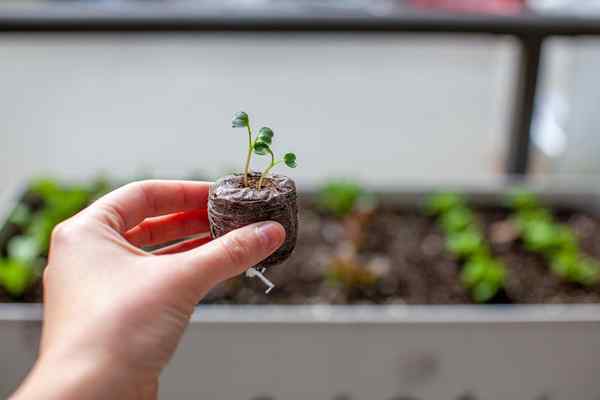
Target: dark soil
[(408, 251), (405, 252), (232, 205)]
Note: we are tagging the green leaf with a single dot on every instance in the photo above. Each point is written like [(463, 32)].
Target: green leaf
[(496, 273), (265, 135), (442, 203), (484, 291), (473, 272), (240, 120), (522, 199), (290, 160), (261, 148), (339, 197), (587, 272), (540, 236), (23, 248), (15, 277), (566, 239), (456, 219), (21, 216), (464, 244)]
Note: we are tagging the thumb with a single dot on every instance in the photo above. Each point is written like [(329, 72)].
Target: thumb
[(232, 253)]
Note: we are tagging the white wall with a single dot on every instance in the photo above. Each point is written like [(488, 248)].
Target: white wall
[(384, 108)]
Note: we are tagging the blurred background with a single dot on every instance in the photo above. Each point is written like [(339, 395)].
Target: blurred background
[(380, 107)]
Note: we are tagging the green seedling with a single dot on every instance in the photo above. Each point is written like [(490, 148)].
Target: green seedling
[(21, 216), (456, 219), (59, 204), (260, 145), (541, 234), (573, 267), (340, 198), (522, 200), (465, 244), (484, 277), (442, 203), (16, 277)]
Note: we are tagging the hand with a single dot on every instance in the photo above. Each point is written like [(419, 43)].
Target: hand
[(113, 313)]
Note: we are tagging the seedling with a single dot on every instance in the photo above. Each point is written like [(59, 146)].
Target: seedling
[(272, 197), (481, 274), (556, 242), (484, 277), (522, 200), (465, 244), (15, 277), (441, 203), (341, 197), (456, 219), (260, 145)]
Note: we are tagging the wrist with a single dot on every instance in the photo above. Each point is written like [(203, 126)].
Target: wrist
[(82, 379)]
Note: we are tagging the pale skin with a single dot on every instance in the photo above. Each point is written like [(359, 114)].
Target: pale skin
[(113, 313)]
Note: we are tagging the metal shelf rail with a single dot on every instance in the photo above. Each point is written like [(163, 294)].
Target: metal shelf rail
[(530, 28)]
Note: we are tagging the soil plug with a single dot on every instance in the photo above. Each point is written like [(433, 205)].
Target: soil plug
[(238, 200)]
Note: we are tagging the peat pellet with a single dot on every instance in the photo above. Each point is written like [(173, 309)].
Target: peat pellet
[(231, 205)]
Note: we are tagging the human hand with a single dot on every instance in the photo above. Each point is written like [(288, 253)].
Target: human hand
[(114, 313)]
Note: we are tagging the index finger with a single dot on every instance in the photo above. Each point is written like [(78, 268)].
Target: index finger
[(129, 205)]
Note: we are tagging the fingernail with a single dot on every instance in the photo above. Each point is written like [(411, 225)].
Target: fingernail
[(269, 234)]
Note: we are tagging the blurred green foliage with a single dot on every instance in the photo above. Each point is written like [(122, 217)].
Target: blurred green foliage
[(540, 233), (481, 274), (25, 252), (340, 197)]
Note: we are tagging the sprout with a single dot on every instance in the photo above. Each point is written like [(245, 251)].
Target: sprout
[(261, 145), (340, 197), (441, 203), (541, 234), (15, 277), (481, 274), (484, 277), (573, 267), (456, 219), (522, 200), (241, 120), (21, 216), (465, 244)]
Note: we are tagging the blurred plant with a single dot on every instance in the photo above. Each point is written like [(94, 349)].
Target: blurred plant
[(342, 197), (21, 216), (465, 244), (25, 251), (481, 274), (441, 203), (456, 219), (540, 233), (348, 274), (484, 276), (16, 277)]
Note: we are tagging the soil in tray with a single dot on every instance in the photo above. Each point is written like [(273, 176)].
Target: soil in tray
[(406, 252)]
